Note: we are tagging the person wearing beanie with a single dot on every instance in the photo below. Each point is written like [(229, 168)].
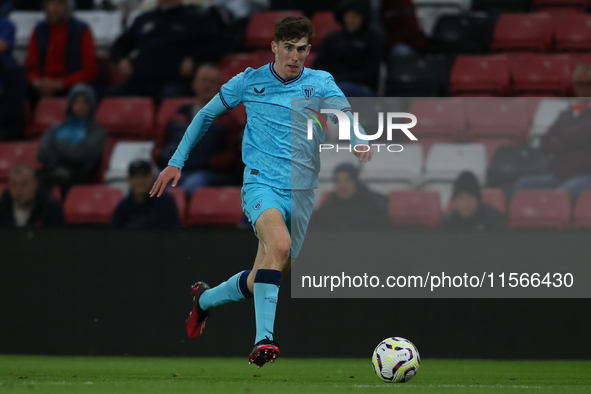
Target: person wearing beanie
[(70, 151), (60, 53), (469, 212), (137, 210), (351, 206), (353, 54)]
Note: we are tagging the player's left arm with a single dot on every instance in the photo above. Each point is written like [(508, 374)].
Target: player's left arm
[(361, 148)]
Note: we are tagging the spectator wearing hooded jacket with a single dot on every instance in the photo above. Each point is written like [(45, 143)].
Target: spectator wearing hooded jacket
[(469, 212), (404, 35), (60, 53), (70, 151), (351, 206), (160, 51), (353, 54)]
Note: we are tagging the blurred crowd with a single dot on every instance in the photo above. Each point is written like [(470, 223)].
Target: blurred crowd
[(172, 49)]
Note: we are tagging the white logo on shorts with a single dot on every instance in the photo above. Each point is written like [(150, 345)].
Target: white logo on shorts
[(258, 205)]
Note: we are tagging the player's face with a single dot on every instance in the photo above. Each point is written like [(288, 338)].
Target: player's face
[(22, 188), (140, 184), (466, 204), (344, 185), (290, 56)]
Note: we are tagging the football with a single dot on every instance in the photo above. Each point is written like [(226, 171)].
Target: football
[(396, 360)]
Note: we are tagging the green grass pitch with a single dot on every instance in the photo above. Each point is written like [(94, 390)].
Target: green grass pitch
[(29, 374)]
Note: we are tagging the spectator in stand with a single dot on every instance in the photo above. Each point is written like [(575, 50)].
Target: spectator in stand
[(138, 210), (470, 212), (352, 55), (404, 35), (70, 151), (567, 144), (217, 157), (24, 203), (13, 84), (37, 5), (169, 42), (351, 206), (61, 52)]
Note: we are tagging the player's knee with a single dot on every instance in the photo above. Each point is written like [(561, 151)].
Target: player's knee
[(280, 249)]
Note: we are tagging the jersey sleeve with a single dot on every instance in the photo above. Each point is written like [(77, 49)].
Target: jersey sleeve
[(231, 92), (334, 98)]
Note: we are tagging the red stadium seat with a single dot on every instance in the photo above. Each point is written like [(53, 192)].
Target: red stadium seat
[(91, 204), (180, 197), (541, 75), (493, 144), (215, 205), (497, 118), (127, 116), (324, 23), (523, 32), (48, 112), (414, 207), (540, 208), (582, 214), (479, 76), (167, 108), (236, 63), (261, 28), (12, 153), (573, 32), (560, 6), (438, 118), (493, 197)]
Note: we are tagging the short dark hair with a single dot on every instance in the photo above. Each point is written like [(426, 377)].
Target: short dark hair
[(294, 28)]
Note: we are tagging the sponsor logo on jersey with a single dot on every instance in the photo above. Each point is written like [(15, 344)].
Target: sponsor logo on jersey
[(259, 92)]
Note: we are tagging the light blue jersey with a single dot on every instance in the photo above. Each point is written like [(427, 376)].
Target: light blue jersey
[(268, 148)]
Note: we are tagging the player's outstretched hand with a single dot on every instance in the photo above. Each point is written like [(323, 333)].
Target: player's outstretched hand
[(165, 176), (364, 153)]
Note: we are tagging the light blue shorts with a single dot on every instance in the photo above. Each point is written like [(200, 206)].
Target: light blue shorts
[(295, 206)]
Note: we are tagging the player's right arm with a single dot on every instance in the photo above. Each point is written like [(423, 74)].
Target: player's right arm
[(230, 96)]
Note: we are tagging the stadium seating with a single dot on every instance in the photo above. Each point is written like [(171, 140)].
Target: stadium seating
[(561, 6), (541, 75), (180, 197), (105, 26), (438, 118), (492, 144), (540, 208), (510, 163), (395, 167), (546, 114), (480, 76), (215, 205), (414, 207), (131, 117), (25, 22), (492, 197), (582, 214), (324, 23), (49, 111), (91, 204), (167, 108), (261, 28), (330, 159), (501, 5), (446, 161), (124, 152), (417, 76), (236, 63), (462, 33), (523, 32), (497, 118), (12, 153), (573, 32)]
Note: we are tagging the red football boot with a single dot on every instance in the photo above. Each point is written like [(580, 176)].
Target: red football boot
[(197, 317), (264, 351)]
